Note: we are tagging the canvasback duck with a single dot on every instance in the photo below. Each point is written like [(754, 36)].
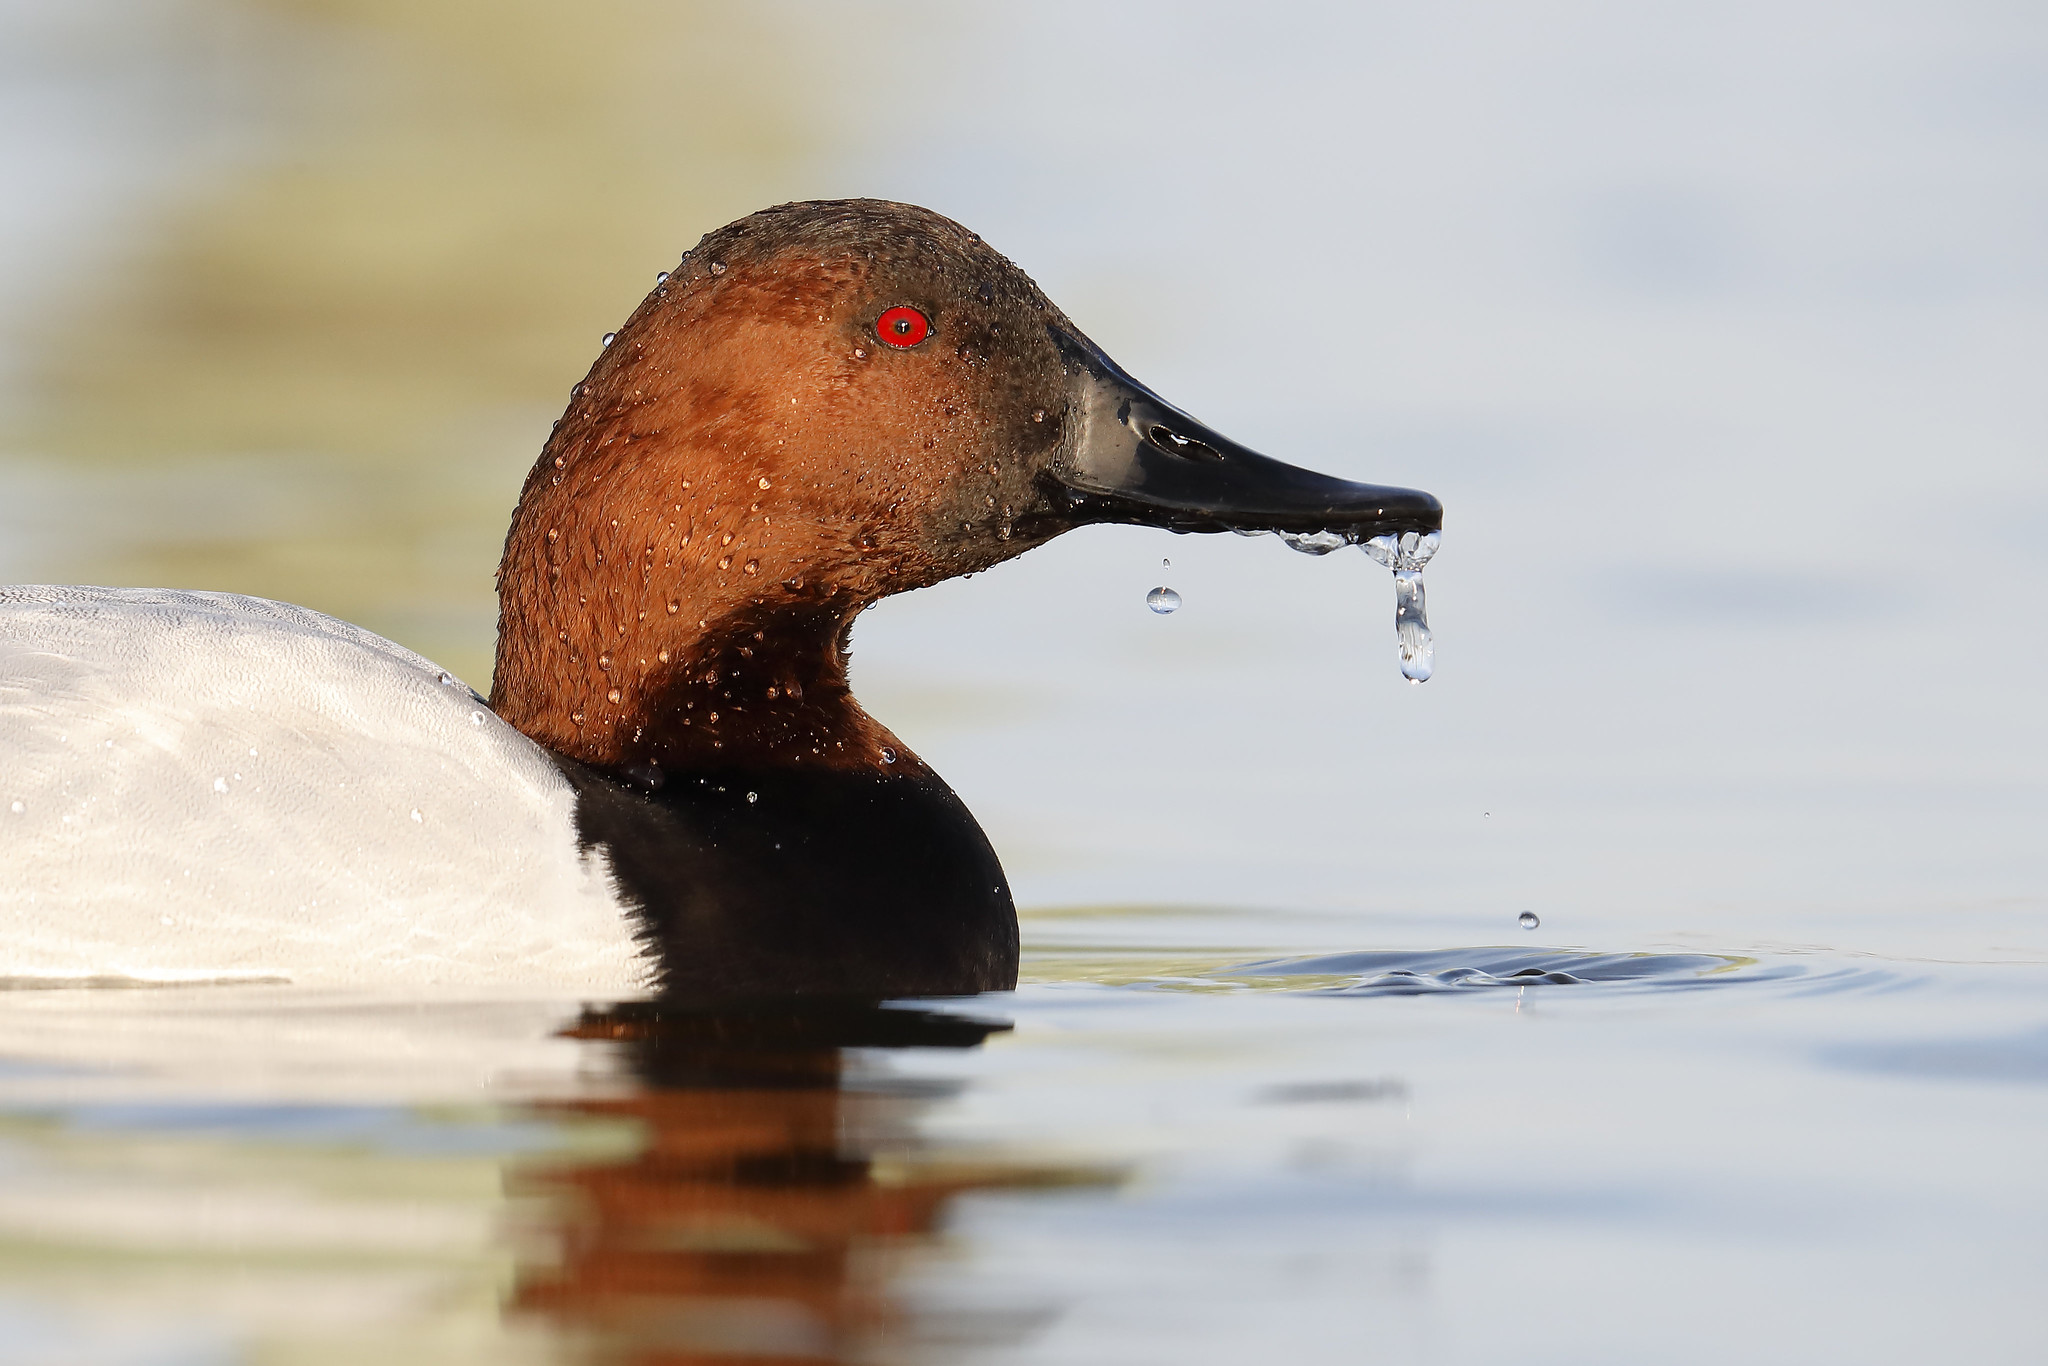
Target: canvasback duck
[(671, 788)]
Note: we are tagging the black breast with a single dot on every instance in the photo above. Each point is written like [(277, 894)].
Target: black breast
[(783, 882)]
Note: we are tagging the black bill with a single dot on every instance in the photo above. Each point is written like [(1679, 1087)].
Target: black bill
[(1130, 456)]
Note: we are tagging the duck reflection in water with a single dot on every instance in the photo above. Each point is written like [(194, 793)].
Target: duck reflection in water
[(777, 1191)]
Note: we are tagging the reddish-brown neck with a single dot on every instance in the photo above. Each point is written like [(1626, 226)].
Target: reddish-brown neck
[(692, 640), (725, 493)]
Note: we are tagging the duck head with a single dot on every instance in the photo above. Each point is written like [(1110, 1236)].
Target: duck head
[(825, 404)]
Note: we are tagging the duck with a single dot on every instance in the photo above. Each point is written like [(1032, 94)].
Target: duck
[(669, 790)]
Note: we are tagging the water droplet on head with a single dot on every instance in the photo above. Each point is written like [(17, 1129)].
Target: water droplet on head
[(718, 267), (446, 679), (416, 817), (888, 757), (1163, 601), (476, 718), (753, 797), (610, 337), (17, 808), (220, 784), (1527, 920), (661, 277)]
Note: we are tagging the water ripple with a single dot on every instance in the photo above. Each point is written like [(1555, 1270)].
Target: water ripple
[(1432, 971)]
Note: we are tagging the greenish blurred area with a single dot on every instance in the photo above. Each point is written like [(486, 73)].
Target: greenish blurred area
[(318, 373)]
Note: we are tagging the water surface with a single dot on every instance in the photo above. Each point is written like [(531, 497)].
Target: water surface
[(1149, 1152)]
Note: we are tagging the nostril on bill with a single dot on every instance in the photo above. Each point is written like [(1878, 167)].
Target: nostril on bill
[(1186, 447)]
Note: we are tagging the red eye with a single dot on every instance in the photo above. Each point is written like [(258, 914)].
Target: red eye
[(902, 326)]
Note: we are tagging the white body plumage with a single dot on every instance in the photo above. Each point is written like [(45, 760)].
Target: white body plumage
[(206, 787)]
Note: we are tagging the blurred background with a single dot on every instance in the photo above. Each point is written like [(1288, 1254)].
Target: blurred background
[(1719, 329)]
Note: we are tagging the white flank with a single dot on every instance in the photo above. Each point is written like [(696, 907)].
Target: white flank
[(205, 787)]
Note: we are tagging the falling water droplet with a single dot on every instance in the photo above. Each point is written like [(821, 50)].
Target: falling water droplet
[(1411, 629), (1163, 601), (1166, 564), (1407, 554), (1527, 920), (888, 755)]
